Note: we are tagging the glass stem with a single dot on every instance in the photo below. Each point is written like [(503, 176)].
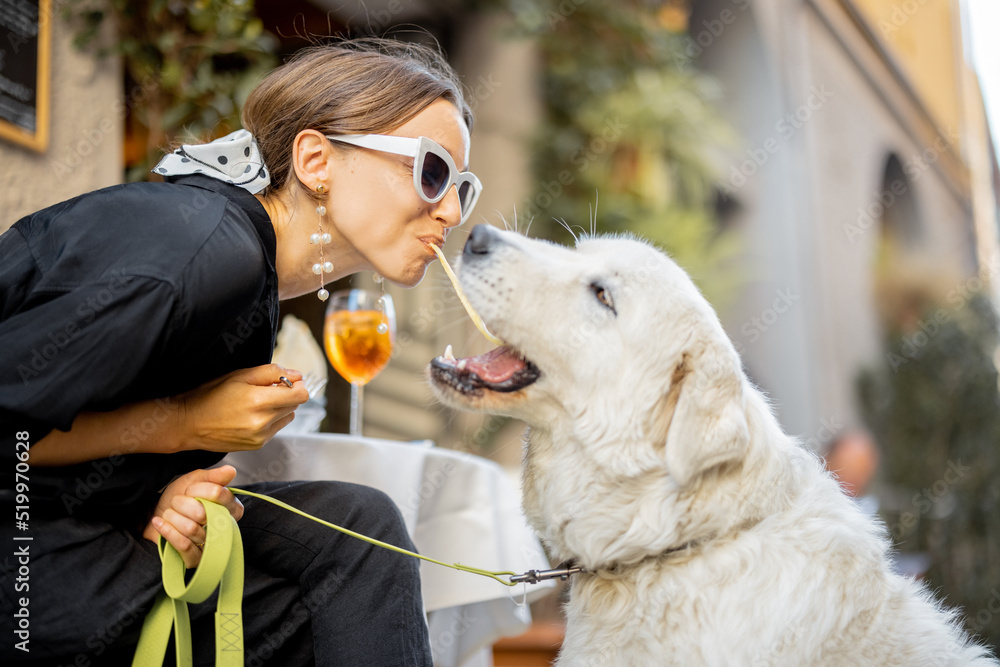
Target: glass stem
[(356, 398)]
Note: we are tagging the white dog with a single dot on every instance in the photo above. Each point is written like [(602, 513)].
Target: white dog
[(707, 535)]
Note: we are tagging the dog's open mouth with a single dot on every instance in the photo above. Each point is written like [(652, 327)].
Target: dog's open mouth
[(501, 369)]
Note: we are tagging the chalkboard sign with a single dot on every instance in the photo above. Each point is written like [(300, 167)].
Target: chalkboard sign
[(25, 44)]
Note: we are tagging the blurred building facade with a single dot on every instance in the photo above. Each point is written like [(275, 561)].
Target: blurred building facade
[(865, 151)]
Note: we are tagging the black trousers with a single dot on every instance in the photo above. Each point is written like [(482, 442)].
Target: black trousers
[(312, 596)]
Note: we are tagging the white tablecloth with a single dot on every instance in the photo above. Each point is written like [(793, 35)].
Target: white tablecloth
[(457, 507)]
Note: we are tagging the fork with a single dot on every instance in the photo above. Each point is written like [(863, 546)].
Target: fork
[(314, 384)]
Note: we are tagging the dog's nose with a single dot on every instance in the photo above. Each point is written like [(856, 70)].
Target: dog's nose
[(479, 241)]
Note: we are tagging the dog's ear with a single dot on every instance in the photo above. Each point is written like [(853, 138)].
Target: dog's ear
[(703, 415)]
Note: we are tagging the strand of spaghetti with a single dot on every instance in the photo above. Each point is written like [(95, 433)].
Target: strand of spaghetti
[(378, 543), (478, 321)]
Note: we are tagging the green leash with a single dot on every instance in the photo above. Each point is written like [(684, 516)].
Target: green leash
[(384, 545), (221, 567)]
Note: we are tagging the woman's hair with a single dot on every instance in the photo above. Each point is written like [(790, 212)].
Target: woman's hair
[(360, 86)]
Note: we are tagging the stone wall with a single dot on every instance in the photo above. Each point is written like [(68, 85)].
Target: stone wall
[(87, 112)]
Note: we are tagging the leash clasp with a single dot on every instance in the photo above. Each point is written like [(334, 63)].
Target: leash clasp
[(534, 576)]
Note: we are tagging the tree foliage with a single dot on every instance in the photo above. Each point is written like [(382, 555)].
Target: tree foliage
[(189, 66), (934, 407), (629, 128)]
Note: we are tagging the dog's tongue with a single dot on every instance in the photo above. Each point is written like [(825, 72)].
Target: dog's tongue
[(496, 365)]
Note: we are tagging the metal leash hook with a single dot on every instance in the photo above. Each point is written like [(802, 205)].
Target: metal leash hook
[(534, 576)]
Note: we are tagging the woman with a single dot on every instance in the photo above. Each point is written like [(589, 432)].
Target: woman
[(136, 330)]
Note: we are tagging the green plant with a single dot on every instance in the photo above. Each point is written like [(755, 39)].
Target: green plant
[(629, 128), (934, 407), (189, 67)]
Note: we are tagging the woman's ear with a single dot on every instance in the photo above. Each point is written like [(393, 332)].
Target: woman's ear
[(310, 154)]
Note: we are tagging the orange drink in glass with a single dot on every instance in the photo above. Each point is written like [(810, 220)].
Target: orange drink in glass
[(358, 334)]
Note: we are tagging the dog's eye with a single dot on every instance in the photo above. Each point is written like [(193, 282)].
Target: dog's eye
[(604, 296)]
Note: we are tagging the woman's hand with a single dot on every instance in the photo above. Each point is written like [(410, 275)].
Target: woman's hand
[(181, 519), (240, 411)]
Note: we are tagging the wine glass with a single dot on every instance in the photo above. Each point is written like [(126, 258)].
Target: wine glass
[(358, 334)]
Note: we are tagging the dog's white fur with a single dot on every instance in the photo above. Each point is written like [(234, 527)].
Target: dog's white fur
[(709, 536)]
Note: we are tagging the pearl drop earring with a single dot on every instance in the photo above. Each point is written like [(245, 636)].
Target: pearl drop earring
[(321, 239), (383, 326)]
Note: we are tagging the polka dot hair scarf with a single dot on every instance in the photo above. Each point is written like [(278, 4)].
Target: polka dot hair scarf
[(233, 158)]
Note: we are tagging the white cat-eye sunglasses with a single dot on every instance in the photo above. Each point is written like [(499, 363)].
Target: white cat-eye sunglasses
[(434, 172)]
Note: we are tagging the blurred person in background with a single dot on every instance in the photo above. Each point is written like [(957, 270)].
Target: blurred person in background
[(852, 456)]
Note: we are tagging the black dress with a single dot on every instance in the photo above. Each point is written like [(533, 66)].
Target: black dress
[(138, 292)]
